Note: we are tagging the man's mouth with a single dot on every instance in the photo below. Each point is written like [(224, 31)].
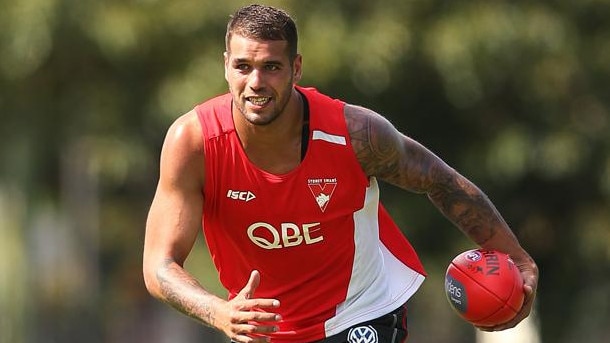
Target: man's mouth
[(258, 100)]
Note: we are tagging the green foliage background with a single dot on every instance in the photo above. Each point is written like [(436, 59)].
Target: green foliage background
[(514, 94)]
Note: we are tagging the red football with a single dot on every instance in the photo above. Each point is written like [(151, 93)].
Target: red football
[(484, 287)]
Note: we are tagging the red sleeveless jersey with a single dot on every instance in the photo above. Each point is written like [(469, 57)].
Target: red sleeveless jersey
[(324, 245)]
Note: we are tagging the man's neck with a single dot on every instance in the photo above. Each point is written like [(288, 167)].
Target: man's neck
[(276, 147)]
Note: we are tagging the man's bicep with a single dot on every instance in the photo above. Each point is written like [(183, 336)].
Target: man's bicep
[(175, 215), (388, 154), (172, 226)]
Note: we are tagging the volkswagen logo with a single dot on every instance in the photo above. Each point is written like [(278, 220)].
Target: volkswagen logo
[(362, 334)]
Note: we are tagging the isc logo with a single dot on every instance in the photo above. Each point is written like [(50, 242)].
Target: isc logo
[(240, 195), (268, 237)]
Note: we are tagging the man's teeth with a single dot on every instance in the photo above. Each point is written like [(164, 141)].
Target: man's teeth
[(259, 100)]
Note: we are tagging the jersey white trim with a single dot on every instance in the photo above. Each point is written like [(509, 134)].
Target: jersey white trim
[(380, 282), (321, 135)]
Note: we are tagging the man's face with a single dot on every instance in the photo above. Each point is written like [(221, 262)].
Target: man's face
[(261, 77)]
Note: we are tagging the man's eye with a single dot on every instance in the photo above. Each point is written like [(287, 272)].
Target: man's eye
[(272, 67), (242, 67)]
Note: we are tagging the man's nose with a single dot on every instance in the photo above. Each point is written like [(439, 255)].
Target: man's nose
[(256, 79)]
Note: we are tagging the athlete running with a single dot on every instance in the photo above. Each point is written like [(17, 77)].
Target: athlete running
[(283, 181)]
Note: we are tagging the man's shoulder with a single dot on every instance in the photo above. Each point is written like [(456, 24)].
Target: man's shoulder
[(216, 102), (186, 129), (214, 115), (313, 94)]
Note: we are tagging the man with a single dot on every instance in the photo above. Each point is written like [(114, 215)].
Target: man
[(284, 181)]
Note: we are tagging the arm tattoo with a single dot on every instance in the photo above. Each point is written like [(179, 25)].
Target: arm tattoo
[(182, 291), (378, 158), (387, 154), (467, 207)]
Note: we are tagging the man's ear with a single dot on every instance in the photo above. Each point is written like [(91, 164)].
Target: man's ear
[(297, 68), (226, 58)]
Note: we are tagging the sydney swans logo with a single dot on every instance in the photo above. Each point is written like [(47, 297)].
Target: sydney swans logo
[(322, 190)]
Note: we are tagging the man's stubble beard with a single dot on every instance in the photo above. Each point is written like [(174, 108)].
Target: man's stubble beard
[(276, 112)]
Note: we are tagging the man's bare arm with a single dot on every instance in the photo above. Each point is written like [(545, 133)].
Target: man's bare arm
[(173, 224), (395, 158), (389, 155)]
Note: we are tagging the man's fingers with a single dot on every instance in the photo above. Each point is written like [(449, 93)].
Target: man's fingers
[(529, 293), (248, 293), (250, 322), (263, 317), (254, 311), (251, 329), (252, 332), (251, 286), (254, 281), (255, 304), (249, 338), (263, 303)]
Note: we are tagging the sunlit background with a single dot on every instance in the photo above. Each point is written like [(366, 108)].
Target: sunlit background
[(514, 94)]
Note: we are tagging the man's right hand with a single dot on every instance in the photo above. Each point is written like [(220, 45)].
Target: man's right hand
[(244, 318)]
